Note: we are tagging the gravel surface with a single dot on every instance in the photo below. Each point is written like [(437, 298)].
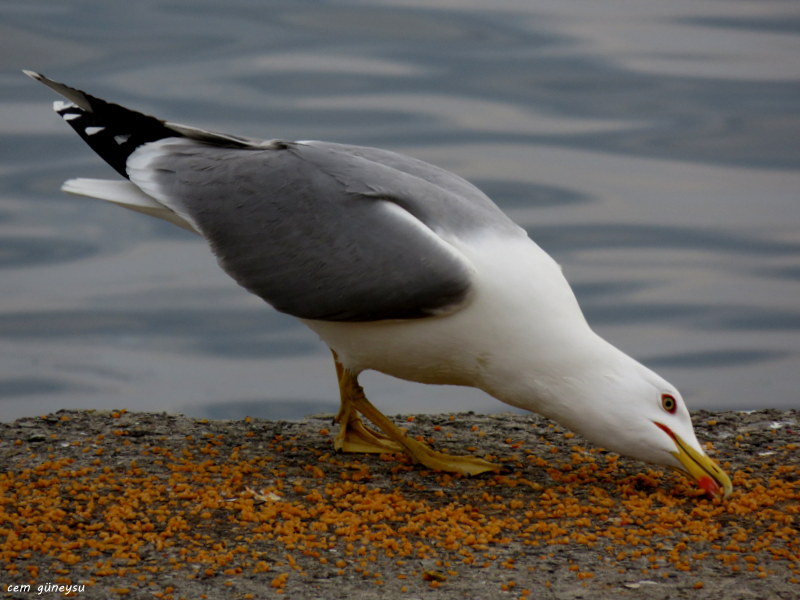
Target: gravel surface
[(140, 505)]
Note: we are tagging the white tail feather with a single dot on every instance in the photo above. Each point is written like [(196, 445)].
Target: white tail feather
[(125, 194)]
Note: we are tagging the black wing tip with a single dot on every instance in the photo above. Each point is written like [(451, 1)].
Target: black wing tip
[(114, 131), (111, 130)]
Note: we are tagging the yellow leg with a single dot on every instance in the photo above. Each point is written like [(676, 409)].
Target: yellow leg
[(355, 437)]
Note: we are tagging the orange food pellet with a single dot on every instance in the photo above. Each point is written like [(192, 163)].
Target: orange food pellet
[(279, 581)]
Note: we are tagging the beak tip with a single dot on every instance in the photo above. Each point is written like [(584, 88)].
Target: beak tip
[(710, 486), (713, 488)]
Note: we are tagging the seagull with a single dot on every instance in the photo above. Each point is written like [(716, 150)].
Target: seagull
[(399, 267)]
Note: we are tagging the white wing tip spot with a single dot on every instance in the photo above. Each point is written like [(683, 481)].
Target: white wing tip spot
[(60, 105)]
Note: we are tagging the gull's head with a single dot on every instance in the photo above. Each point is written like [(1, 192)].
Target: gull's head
[(627, 408), (671, 441)]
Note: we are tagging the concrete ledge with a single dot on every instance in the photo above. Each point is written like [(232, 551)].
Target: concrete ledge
[(140, 505)]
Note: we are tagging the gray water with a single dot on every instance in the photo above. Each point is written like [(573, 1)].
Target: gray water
[(653, 148)]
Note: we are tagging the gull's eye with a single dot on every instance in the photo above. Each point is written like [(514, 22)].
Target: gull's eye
[(668, 403)]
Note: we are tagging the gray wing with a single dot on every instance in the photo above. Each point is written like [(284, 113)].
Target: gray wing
[(323, 231)]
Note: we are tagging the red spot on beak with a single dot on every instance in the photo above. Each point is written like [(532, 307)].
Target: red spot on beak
[(710, 486)]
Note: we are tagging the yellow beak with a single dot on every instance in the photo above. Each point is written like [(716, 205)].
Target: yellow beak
[(700, 467)]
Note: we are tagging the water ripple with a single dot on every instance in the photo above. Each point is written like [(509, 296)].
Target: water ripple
[(24, 252), (572, 238)]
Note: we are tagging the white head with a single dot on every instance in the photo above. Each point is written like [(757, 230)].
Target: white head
[(622, 406)]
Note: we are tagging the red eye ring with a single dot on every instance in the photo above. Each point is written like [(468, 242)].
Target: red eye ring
[(668, 403)]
